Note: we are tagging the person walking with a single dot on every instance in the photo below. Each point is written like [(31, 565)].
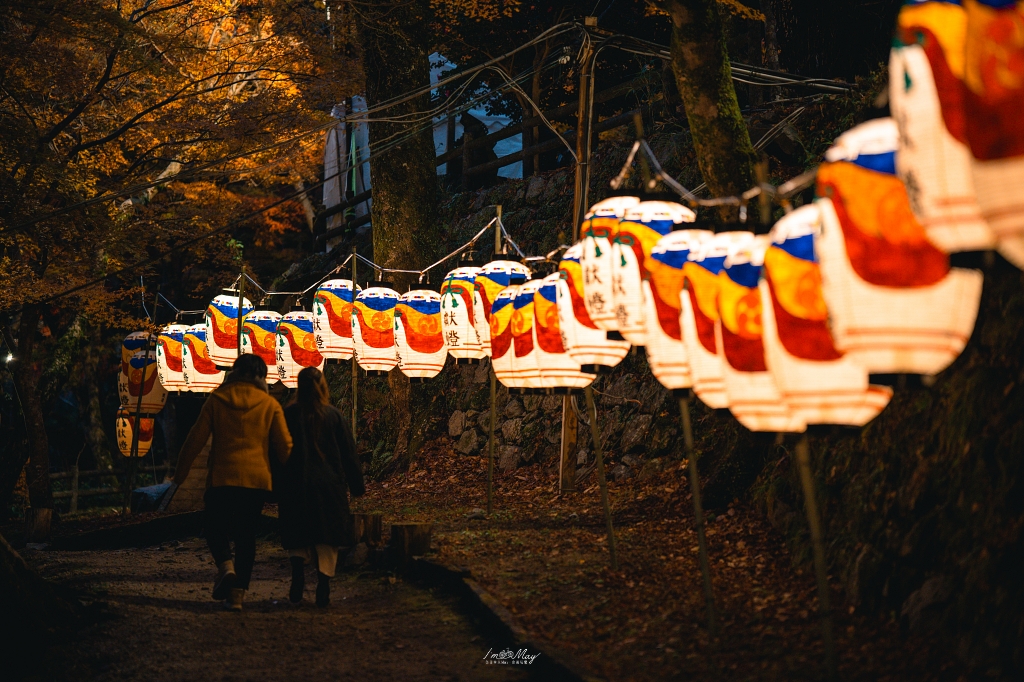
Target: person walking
[(247, 426), (314, 485)]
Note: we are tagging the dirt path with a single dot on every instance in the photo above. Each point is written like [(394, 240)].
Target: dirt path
[(166, 626)]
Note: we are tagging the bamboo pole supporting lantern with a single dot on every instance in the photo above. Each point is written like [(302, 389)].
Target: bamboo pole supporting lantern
[(601, 481), (355, 366), (803, 460), (240, 314), (137, 429), (698, 512), (498, 250)]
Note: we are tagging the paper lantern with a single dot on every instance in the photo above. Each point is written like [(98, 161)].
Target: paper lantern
[(332, 315), (993, 105), (418, 334), (143, 377), (501, 334), (525, 369), (296, 347), (666, 352), (259, 338), (373, 329), (586, 344), (131, 345), (198, 370), (222, 329), (640, 229), (895, 304), (557, 368), (458, 316), (750, 388), (168, 357), (816, 380), (124, 428), (699, 316), (597, 233), (926, 98), (489, 282)]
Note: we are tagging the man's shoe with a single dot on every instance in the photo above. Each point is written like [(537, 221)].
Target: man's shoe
[(235, 599), (225, 580), (298, 579), (323, 590)]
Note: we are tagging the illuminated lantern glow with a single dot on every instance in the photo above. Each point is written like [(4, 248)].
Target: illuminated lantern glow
[(296, 347), (640, 229), (198, 370), (597, 233), (259, 338), (169, 346), (124, 428), (332, 312), (488, 283), (666, 352), (557, 368), (993, 102), (750, 388), (699, 316), (131, 345), (586, 344), (501, 335), (895, 304), (222, 328), (418, 334), (143, 376), (458, 316), (926, 97), (373, 329), (818, 382), (525, 368)]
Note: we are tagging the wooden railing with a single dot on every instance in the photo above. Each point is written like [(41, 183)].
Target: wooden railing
[(77, 477)]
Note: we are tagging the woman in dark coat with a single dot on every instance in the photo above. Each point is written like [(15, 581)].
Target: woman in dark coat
[(314, 485)]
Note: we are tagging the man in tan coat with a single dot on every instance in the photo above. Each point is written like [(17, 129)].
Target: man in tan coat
[(247, 426)]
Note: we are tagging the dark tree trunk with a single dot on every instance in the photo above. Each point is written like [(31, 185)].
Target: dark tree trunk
[(96, 435), (701, 65)]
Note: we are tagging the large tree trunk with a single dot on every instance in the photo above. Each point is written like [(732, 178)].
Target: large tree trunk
[(701, 65), (95, 434), (403, 177), (27, 369)]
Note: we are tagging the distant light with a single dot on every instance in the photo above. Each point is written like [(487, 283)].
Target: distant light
[(9, 357)]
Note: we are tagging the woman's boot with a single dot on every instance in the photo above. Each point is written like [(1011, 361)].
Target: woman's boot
[(298, 579), (323, 589)]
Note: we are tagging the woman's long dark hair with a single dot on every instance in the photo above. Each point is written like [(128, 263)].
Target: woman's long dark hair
[(313, 398)]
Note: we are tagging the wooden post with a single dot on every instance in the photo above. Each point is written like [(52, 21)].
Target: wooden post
[(467, 156), (449, 142), (498, 249), (355, 364), (367, 528), (584, 125), (409, 540), (698, 513), (240, 315), (74, 489), (803, 460), (601, 481), (137, 430), (567, 463)]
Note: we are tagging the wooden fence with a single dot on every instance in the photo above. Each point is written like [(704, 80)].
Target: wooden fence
[(75, 492)]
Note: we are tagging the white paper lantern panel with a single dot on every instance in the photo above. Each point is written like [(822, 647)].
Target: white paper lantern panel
[(169, 347), (491, 279), (926, 98), (222, 328), (296, 347), (525, 368), (259, 338), (586, 344), (557, 368), (640, 229), (124, 429), (817, 381), (373, 329), (699, 316), (198, 370), (895, 304), (418, 334), (458, 315), (501, 335), (131, 345), (750, 388), (993, 107), (666, 352), (143, 376), (332, 313), (597, 233)]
